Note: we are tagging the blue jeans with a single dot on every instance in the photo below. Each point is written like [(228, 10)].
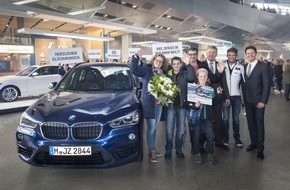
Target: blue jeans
[(236, 109), (179, 115), (201, 127), (152, 126)]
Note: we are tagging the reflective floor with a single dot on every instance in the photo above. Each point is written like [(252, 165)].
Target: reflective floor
[(235, 169)]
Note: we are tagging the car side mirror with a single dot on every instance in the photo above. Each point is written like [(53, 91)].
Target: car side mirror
[(35, 74), (52, 85)]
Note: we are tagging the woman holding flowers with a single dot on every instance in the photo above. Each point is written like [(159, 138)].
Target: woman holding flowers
[(152, 109), (177, 109)]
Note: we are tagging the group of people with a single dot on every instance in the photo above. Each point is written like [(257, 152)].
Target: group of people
[(63, 69), (234, 84)]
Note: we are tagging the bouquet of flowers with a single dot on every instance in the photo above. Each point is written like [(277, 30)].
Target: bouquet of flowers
[(163, 89)]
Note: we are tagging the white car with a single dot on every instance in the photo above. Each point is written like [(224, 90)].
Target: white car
[(32, 81)]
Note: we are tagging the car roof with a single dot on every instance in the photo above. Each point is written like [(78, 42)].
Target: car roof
[(102, 64)]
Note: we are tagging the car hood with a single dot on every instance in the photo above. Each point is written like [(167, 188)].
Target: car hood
[(58, 104)]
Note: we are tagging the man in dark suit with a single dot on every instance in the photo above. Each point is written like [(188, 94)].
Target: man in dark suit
[(216, 74), (256, 90)]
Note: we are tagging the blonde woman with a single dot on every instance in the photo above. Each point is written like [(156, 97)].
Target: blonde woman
[(286, 78)]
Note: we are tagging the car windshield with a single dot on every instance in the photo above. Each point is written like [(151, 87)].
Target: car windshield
[(97, 78), (26, 71)]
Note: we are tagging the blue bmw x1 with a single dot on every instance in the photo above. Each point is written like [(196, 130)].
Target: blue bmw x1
[(91, 118)]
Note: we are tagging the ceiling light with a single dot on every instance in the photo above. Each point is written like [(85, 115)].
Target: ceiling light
[(24, 2), (204, 43), (63, 34), (203, 38), (146, 43), (88, 10), (264, 51)]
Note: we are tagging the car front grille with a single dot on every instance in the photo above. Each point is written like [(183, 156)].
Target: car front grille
[(80, 131), (54, 130), (86, 130)]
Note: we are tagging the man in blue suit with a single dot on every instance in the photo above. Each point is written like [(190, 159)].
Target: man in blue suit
[(256, 90)]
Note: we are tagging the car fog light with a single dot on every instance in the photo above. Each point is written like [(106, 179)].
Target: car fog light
[(19, 137), (132, 136)]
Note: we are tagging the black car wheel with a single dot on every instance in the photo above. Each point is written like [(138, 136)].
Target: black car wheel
[(9, 94)]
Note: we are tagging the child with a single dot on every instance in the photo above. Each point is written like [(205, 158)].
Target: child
[(204, 121)]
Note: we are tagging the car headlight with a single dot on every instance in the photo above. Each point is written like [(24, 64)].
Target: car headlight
[(129, 119), (27, 121)]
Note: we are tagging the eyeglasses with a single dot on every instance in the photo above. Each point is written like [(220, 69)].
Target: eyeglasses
[(192, 54), (158, 61)]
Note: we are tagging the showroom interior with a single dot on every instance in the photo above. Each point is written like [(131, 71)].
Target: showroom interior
[(30, 28)]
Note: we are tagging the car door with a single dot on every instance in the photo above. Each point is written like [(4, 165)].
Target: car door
[(39, 80)]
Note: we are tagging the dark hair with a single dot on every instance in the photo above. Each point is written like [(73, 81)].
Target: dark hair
[(233, 50), (176, 58), (193, 49), (251, 47), (212, 47)]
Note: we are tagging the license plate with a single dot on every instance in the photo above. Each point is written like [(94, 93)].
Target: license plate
[(70, 150)]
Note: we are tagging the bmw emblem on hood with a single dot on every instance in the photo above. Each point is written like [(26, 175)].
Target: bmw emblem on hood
[(72, 117)]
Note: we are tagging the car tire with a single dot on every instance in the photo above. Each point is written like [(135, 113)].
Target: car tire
[(9, 94)]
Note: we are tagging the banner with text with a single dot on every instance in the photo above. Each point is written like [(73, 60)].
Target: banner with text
[(169, 50), (94, 54), (114, 54), (16, 49), (65, 56)]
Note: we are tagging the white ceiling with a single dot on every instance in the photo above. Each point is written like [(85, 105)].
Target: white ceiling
[(147, 14)]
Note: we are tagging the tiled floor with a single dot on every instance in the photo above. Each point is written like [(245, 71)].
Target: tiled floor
[(236, 169)]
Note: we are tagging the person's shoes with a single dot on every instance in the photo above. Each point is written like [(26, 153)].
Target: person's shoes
[(158, 154), (210, 159), (180, 154), (167, 154), (221, 145), (239, 143), (251, 147), (197, 158), (152, 156), (260, 155), (226, 146)]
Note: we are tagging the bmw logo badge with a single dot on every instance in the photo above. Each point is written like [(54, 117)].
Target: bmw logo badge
[(72, 117)]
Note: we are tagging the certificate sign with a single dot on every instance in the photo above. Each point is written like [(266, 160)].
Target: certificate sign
[(168, 49), (203, 94)]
